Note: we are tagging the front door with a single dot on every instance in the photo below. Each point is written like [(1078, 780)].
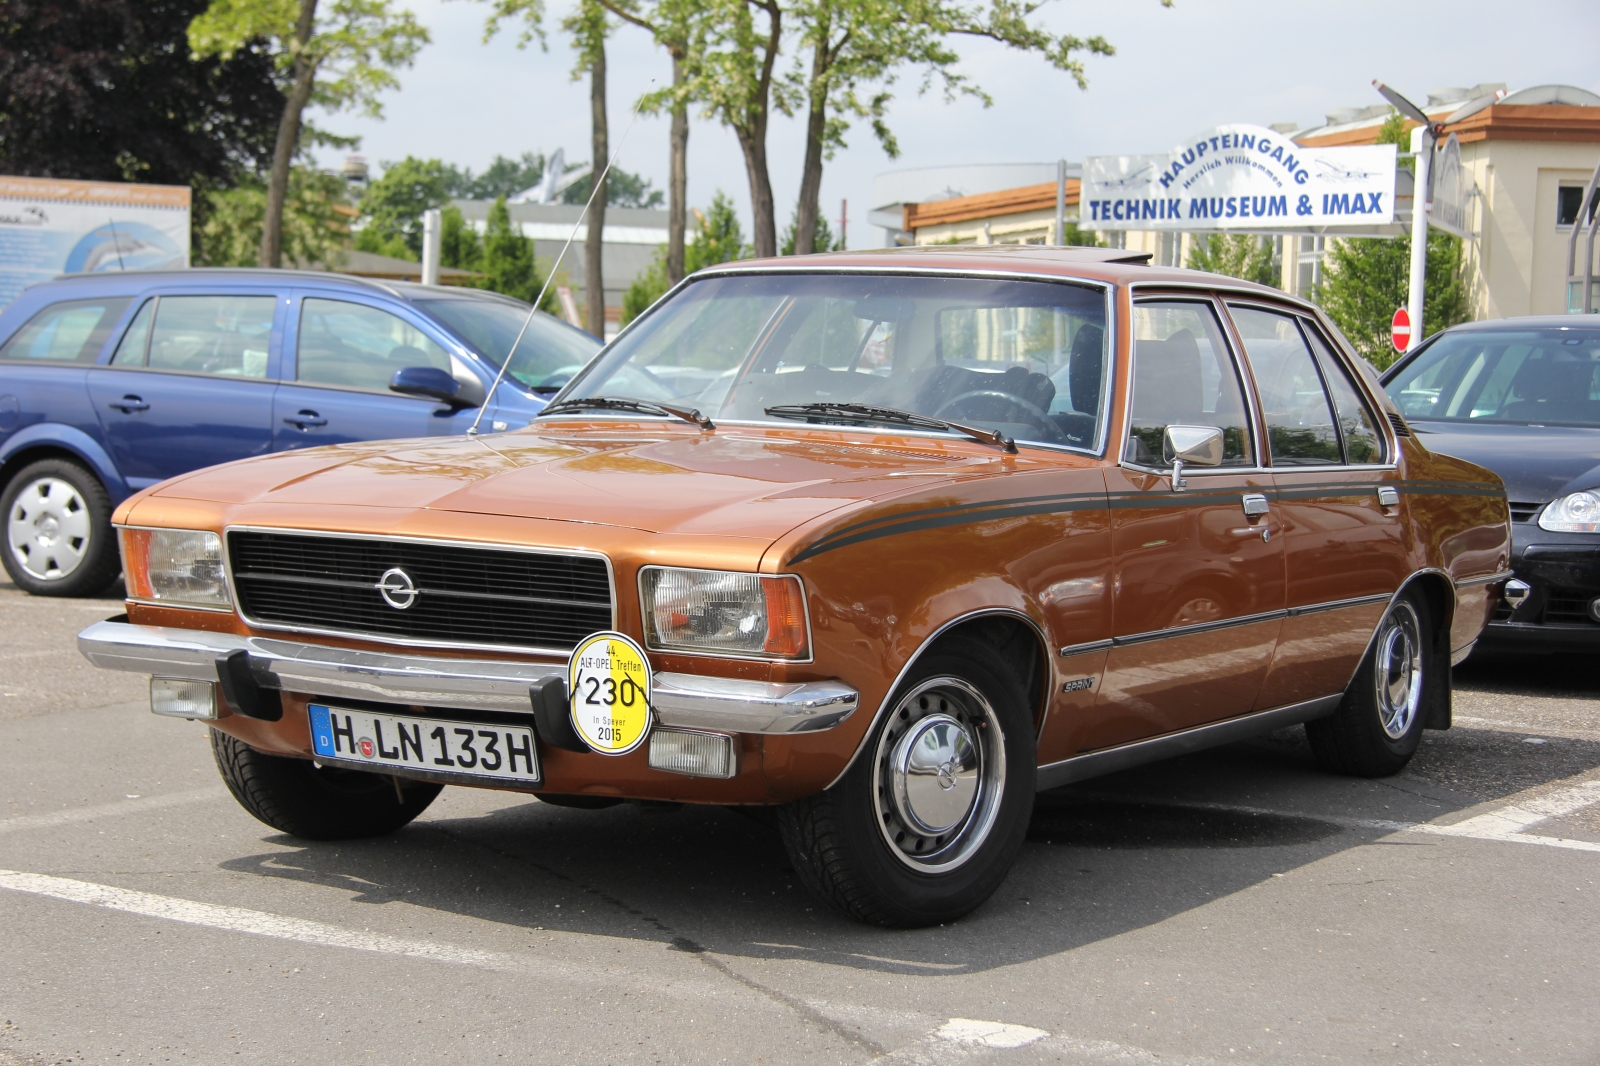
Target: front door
[(1343, 548), (1198, 579), (346, 352), (189, 385)]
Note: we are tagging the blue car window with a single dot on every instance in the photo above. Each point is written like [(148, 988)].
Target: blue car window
[(549, 353), (135, 343), (358, 347), (229, 336), (69, 332)]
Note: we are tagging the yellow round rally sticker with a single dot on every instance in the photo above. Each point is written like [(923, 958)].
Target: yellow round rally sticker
[(608, 677)]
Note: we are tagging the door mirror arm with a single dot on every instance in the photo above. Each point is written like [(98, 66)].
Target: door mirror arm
[(1191, 446)]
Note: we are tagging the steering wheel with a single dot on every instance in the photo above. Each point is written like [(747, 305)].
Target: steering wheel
[(1034, 414)]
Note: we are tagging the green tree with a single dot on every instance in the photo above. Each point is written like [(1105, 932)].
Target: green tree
[(316, 222), (622, 190), (822, 239), (392, 206), (1365, 279), (1076, 237), (459, 244), (1238, 255), (507, 263), (718, 238), (342, 58)]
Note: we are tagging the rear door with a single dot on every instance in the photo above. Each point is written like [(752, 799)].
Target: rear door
[(1341, 532), (190, 382), (336, 387), (1198, 580)]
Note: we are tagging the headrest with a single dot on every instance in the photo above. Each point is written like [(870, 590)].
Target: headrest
[(1084, 368), (1166, 385)]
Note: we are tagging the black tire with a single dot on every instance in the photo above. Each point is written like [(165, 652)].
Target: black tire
[(855, 845), (298, 797), (57, 538), (1378, 726)]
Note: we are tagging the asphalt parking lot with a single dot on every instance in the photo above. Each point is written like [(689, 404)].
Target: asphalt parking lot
[(1237, 906)]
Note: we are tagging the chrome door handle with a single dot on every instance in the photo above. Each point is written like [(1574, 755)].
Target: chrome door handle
[(1255, 504), (129, 404), (1388, 497), (306, 420)]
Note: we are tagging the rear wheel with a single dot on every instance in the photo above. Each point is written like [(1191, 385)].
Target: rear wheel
[(298, 797), (58, 538), (1378, 726), (927, 822)]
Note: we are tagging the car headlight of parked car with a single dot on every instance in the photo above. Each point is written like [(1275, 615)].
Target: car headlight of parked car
[(720, 613), (182, 567), (1575, 513)]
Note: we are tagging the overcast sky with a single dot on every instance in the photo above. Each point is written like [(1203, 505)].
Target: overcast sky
[(1176, 71)]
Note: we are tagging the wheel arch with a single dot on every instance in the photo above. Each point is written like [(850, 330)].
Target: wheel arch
[(1437, 591), (55, 441), (1016, 637)]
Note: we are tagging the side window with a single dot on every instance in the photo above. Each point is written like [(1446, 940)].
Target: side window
[(1183, 375), (353, 346), (228, 336), (1357, 424), (70, 332), (135, 343), (1300, 427)]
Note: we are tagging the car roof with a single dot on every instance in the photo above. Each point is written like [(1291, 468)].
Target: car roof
[(127, 282), (1117, 266)]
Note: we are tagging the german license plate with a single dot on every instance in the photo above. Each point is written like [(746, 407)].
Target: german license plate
[(384, 743)]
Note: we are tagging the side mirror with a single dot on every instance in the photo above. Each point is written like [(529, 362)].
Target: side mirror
[(1190, 446), (427, 381)]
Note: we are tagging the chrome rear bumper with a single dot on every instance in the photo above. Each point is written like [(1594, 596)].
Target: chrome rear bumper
[(684, 701)]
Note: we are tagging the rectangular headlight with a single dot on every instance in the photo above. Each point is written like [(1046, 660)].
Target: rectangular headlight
[(182, 567), (719, 613)]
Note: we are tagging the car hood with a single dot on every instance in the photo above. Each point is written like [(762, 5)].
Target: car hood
[(1537, 463), (727, 483)]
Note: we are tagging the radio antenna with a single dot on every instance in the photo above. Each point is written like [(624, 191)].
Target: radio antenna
[(593, 192)]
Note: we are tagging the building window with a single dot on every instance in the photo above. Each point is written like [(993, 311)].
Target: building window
[(1309, 261), (1568, 199), (1167, 251)]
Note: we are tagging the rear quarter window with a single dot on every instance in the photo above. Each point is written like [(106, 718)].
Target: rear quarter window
[(72, 331)]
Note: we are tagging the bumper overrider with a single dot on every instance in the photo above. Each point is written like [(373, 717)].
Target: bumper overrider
[(1554, 602), (247, 666)]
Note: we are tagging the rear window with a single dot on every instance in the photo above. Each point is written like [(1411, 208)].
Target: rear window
[(70, 332), (1523, 377)]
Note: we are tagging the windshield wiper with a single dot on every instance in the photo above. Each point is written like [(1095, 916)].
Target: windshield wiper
[(863, 412), (618, 403)]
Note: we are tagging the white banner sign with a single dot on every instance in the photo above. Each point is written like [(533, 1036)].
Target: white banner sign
[(50, 227), (1239, 177)]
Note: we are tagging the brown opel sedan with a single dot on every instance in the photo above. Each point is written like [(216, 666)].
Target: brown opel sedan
[(886, 541)]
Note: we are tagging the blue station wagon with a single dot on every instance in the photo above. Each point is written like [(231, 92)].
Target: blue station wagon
[(110, 383)]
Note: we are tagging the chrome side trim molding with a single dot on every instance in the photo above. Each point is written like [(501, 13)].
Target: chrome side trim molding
[(1472, 582), (1226, 623), (688, 701), (1079, 649), (1335, 605), (1096, 763)]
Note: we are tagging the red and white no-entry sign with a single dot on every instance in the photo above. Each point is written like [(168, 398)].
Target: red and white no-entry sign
[(1400, 330)]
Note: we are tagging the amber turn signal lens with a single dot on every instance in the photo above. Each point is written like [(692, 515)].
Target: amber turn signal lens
[(136, 563), (786, 617)]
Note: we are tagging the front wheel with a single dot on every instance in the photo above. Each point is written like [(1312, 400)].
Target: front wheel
[(927, 822), (1378, 726), (298, 797), (58, 538)]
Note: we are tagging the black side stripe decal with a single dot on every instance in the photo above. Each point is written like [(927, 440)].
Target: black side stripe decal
[(964, 514)]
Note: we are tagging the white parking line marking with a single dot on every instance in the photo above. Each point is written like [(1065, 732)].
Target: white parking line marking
[(240, 920), (988, 1034), (1512, 823), (126, 806)]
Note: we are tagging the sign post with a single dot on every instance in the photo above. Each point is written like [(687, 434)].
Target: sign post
[(1400, 330), (1419, 205)]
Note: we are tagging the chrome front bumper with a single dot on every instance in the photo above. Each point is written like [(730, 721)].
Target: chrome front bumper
[(684, 701)]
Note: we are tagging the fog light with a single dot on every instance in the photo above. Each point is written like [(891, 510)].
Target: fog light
[(695, 754), (179, 698)]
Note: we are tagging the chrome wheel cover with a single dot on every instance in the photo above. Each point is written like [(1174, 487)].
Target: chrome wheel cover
[(939, 775), (48, 529), (1397, 670)]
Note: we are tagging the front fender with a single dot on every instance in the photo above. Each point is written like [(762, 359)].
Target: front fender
[(54, 436)]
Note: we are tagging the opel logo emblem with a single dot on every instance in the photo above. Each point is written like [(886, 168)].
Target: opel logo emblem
[(397, 588)]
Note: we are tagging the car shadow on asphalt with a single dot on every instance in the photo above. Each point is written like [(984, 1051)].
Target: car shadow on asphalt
[(1102, 858)]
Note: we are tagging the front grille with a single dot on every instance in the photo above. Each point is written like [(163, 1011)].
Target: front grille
[(1523, 512), (465, 595), (1568, 607)]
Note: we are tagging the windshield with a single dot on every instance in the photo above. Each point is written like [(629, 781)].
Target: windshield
[(1025, 358), (1536, 376), (551, 351)]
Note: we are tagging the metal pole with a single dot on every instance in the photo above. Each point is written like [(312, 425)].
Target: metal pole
[(1419, 238), (1061, 202), (1588, 263), (1572, 241), (432, 224)]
